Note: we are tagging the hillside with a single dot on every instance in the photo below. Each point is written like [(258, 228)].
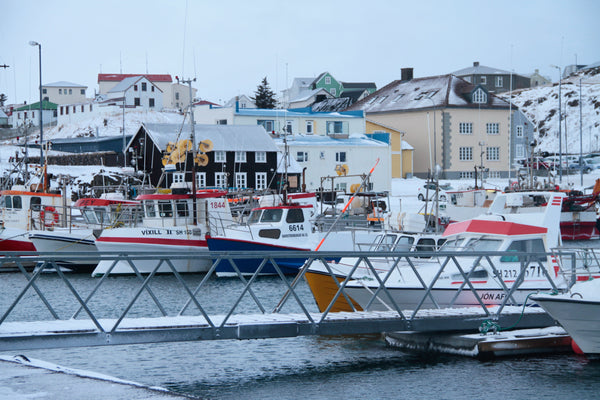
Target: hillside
[(540, 105)]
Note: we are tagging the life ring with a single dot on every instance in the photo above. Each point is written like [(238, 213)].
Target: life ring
[(53, 220)]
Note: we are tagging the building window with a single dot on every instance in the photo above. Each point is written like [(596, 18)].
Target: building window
[(397, 98), (74, 109), (200, 179), (221, 122), (70, 91), (178, 177), (82, 110), (288, 126), (33, 115), (82, 92), (340, 156), (59, 91), (220, 156), (240, 156), (267, 124), (61, 110), (261, 180), (328, 80), (492, 154), (144, 86), (301, 156), (135, 88), (492, 128), (335, 127), (479, 97), (136, 101), (466, 175), (151, 102), (221, 179), (152, 88), (333, 91), (309, 127), (260, 157), (519, 151), (494, 174), (499, 81), (176, 95), (519, 132), (465, 128), (45, 91), (465, 153), (240, 180), (90, 107), (483, 80)]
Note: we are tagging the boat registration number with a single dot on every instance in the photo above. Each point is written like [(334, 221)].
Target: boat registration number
[(532, 271)]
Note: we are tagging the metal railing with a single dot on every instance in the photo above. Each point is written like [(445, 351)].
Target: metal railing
[(137, 309)]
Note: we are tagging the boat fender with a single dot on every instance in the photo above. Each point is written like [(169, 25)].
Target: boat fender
[(53, 220)]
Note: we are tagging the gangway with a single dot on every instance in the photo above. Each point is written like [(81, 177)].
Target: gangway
[(111, 310)]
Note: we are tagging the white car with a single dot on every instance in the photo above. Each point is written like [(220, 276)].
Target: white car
[(428, 190)]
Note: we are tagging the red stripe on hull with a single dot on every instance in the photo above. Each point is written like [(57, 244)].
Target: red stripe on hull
[(16, 245)]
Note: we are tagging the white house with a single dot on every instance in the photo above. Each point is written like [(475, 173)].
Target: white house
[(138, 91), (319, 156), (63, 92)]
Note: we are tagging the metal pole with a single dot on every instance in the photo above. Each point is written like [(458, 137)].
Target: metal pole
[(580, 137), (559, 124), (124, 104)]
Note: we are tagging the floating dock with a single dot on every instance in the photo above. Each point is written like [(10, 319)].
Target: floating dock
[(504, 343)]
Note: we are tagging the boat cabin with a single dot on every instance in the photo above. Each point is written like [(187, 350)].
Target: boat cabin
[(285, 221), (104, 212), (28, 210), (402, 242)]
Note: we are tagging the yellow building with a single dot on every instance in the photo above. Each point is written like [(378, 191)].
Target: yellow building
[(401, 151), (449, 121)]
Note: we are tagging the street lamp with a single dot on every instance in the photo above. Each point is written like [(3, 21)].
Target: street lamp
[(559, 124), (39, 45)]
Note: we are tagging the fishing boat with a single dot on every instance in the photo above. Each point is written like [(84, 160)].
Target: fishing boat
[(510, 231), (578, 311), (111, 210), (169, 225)]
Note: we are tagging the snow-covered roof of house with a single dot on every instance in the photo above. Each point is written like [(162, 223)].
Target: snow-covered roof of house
[(359, 85), (319, 140), (404, 145), (478, 69), (64, 84), (293, 167), (120, 77), (421, 93), (306, 94), (223, 137), (332, 105), (128, 82), (295, 113)]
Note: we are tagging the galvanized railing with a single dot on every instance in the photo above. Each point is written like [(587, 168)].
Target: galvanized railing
[(138, 308)]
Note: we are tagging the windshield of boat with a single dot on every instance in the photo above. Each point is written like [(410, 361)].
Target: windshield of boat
[(272, 215), (254, 216), (482, 244), (452, 245), (383, 243)]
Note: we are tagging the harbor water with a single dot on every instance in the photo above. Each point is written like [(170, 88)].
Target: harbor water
[(348, 367)]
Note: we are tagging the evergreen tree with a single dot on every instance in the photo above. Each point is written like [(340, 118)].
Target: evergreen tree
[(3, 99), (264, 96)]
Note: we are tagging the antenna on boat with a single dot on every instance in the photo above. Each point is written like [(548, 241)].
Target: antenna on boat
[(193, 139)]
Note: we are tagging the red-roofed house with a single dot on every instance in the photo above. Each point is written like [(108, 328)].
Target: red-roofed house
[(175, 95)]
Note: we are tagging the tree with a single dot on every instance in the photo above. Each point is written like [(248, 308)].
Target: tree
[(264, 97), (3, 99)]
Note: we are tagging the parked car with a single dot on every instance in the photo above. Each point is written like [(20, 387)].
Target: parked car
[(576, 166), (428, 189)]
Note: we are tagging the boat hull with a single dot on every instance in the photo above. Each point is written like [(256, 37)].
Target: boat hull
[(155, 241), (15, 239), (249, 266), (579, 317), (81, 242)]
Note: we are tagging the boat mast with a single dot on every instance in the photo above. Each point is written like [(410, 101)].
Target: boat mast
[(193, 139)]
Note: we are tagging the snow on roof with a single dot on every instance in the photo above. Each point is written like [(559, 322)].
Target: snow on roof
[(120, 77), (421, 93), (127, 83), (63, 84), (295, 113), (292, 168), (223, 137), (319, 141), (406, 146), (478, 69)]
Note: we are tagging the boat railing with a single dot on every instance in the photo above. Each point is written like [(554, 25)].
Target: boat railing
[(83, 298)]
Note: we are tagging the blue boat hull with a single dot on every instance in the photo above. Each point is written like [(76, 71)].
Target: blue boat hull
[(248, 266)]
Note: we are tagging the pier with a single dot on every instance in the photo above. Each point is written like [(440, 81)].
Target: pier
[(84, 313)]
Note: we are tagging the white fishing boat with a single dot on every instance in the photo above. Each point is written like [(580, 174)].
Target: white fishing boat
[(535, 232), (108, 211), (578, 311), (168, 225)]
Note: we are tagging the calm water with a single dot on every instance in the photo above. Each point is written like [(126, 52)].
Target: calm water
[(313, 367)]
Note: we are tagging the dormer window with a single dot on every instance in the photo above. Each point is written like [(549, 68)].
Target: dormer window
[(479, 96)]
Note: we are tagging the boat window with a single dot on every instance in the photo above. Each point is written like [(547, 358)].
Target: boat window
[(272, 215), (425, 244), (484, 244), (17, 202), (7, 202), (101, 215), (35, 204), (254, 216), (89, 216), (452, 245), (387, 243), (294, 215), (182, 208), (404, 243), (440, 243), (165, 209), (149, 209), (526, 246), (270, 233)]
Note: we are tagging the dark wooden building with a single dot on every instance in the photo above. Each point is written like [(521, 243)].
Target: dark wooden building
[(240, 157)]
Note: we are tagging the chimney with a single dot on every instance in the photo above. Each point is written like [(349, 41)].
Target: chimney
[(406, 74), (476, 63)]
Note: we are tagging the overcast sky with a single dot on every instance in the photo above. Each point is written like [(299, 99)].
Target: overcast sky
[(229, 46)]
